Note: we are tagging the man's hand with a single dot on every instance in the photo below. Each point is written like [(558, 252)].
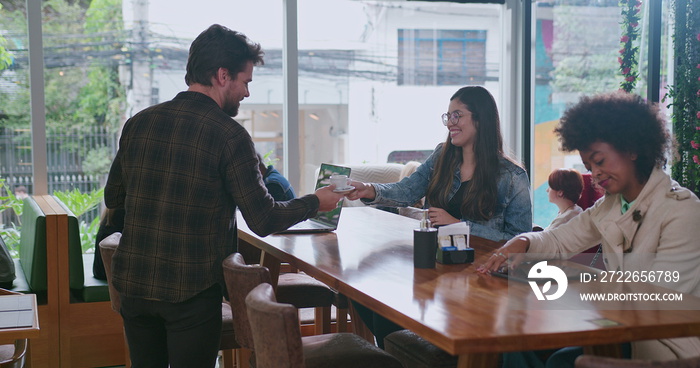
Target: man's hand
[(327, 199)]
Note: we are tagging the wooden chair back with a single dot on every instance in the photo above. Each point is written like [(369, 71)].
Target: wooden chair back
[(240, 280), (275, 328)]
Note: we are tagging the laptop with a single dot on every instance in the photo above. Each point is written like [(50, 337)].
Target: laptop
[(324, 221)]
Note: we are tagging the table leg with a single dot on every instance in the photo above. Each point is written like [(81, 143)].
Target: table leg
[(358, 326), (475, 360), (272, 264)]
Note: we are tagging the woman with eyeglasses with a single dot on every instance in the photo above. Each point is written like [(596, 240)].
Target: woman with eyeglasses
[(468, 177)]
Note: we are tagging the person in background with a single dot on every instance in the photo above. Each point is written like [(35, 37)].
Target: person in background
[(565, 186), (112, 221), (467, 178), (21, 192), (182, 170), (277, 185), (646, 221)]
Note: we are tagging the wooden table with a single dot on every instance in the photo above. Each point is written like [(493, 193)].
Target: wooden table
[(19, 318), (369, 258)]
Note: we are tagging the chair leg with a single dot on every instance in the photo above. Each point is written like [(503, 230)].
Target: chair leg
[(243, 358), (228, 358), (341, 319), (322, 320)]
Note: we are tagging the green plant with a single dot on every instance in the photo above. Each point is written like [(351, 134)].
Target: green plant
[(80, 203), (11, 237), (88, 235), (8, 200), (268, 160), (10, 234)]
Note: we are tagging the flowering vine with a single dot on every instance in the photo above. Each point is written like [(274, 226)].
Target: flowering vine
[(695, 143), (628, 58)]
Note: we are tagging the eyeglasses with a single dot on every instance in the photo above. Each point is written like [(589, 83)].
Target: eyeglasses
[(451, 118)]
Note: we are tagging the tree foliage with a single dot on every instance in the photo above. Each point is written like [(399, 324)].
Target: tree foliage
[(585, 48), (81, 87), (81, 43)]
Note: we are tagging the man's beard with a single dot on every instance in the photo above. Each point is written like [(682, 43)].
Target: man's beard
[(232, 109)]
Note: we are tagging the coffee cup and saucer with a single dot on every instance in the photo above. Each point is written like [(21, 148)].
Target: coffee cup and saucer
[(342, 183)]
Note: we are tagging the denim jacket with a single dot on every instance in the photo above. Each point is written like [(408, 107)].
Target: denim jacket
[(513, 212), (278, 186)]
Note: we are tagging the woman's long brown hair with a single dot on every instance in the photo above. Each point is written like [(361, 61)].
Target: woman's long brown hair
[(479, 202)]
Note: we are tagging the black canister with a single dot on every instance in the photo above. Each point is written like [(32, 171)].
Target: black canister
[(424, 247), (424, 244)]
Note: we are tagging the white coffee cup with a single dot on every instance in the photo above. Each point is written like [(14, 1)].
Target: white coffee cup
[(340, 181)]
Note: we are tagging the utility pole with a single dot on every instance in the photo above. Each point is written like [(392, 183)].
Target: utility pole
[(141, 74)]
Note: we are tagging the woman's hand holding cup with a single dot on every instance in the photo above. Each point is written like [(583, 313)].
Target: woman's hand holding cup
[(362, 190)]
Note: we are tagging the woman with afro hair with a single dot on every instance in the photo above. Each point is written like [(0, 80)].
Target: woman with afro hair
[(645, 222)]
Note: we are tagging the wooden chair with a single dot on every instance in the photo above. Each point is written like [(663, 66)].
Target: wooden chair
[(241, 279), (13, 355), (305, 292), (228, 340), (591, 361), (278, 341)]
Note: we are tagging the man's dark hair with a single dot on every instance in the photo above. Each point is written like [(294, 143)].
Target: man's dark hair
[(623, 120), (219, 47)]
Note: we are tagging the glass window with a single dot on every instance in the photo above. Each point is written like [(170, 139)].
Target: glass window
[(84, 48), (442, 57), (353, 108), (406, 59), (15, 132), (577, 47)]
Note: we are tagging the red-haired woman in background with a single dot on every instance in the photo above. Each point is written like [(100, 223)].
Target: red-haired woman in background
[(565, 186)]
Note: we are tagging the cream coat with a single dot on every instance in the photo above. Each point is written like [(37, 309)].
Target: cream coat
[(661, 231)]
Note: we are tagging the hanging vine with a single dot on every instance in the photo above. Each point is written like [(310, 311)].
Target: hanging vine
[(629, 52), (685, 93)]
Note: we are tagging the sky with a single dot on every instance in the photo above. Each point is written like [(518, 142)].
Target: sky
[(319, 21)]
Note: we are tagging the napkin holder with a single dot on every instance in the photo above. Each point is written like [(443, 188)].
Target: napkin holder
[(455, 256), (453, 244)]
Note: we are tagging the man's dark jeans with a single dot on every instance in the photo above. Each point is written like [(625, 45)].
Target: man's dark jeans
[(182, 335)]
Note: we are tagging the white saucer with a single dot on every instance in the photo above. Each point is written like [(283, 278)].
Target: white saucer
[(344, 190)]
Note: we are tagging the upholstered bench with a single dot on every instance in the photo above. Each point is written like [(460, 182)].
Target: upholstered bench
[(84, 286), (30, 268)]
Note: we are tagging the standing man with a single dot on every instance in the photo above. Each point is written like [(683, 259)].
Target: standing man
[(182, 169)]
